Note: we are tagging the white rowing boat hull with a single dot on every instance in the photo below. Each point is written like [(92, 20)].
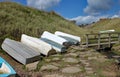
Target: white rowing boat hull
[(40, 45)]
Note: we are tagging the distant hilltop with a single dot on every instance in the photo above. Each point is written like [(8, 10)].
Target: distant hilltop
[(109, 22)]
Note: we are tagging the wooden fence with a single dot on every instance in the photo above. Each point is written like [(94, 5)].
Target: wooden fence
[(100, 39)]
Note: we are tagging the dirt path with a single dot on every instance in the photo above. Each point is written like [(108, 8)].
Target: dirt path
[(77, 62)]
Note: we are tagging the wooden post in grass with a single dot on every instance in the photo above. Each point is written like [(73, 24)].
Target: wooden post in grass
[(119, 38), (109, 39), (87, 40), (98, 41)]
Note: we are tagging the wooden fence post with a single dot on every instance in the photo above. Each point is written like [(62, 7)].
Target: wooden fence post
[(119, 38), (109, 39), (87, 40), (98, 41)]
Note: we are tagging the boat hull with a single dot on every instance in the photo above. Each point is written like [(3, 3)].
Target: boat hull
[(11, 70)]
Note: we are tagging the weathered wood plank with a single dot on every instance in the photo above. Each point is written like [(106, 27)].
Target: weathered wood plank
[(87, 40), (17, 46), (119, 37), (71, 38), (99, 41), (56, 46), (96, 44), (55, 38), (13, 53), (96, 38), (109, 40), (30, 49), (22, 53), (103, 33), (40, 45)]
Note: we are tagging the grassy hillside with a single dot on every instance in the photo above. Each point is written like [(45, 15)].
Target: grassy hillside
[(16, 19), (105, 24)]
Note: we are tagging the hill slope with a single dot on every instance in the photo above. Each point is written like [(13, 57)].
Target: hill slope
[(105, 24), (16, 19)]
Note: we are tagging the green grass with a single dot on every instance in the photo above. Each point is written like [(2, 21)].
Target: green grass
[(105, 24), (40, 64), (16, 19), (100, 67)]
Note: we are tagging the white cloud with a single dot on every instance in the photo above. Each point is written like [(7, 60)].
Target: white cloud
[(90, 19), (115, 16), (42, 4), (87, 19), (96, 6)]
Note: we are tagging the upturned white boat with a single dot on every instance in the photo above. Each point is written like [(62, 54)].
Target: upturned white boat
[(71, 38), (56, 46), (107, 31), (55, 38), (42, 47), (21, 52)]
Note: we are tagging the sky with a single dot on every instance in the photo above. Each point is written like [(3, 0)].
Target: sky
[(82, 11)]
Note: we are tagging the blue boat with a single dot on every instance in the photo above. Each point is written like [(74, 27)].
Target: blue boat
[(5, 69)]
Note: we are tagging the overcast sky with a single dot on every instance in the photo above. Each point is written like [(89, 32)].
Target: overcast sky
[(83, 11)]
